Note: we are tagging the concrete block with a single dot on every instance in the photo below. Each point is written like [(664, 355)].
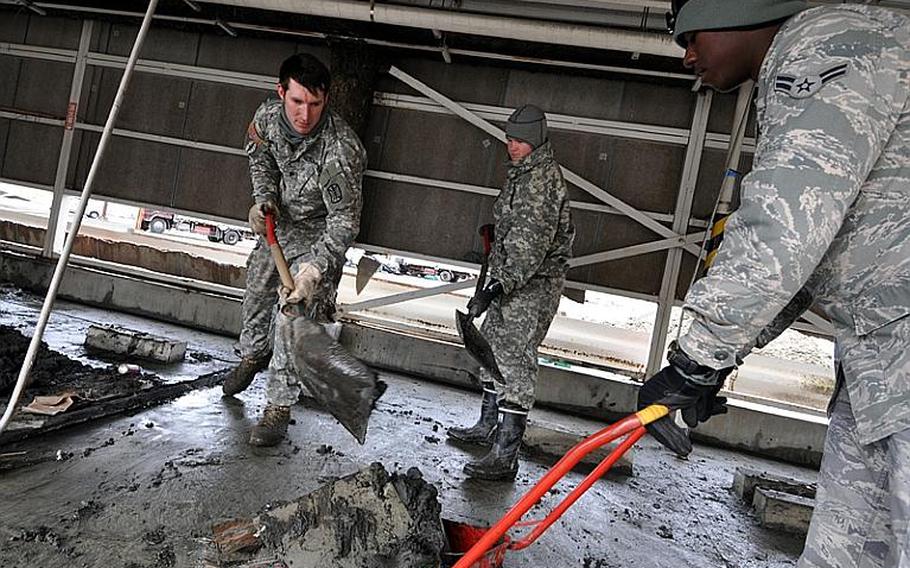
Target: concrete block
[(551, 441), (135, 344), (746, 481), (782, 511)]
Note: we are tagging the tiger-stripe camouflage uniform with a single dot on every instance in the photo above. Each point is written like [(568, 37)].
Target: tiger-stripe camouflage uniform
[(316, 184), (826, 212)]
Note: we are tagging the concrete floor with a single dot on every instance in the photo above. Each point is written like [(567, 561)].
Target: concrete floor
[(144, 490)]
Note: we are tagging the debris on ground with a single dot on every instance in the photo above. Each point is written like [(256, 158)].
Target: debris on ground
[(368, 519)]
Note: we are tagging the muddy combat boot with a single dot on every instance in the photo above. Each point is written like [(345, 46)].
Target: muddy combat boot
[(501, 463), (482, 432), (273, 426), (243, 374)]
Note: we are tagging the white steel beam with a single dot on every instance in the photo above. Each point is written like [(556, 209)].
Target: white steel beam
[(543, 31), (66, 145), (406, 296), (636, 250), (493, 192), (555, 121), (683, 209), (570, 176)]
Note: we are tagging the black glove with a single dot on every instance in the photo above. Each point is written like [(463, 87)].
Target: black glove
[(483, 297), (673, 386)]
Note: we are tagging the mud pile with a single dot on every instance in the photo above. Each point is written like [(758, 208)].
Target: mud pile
[(48, 366), (53, 373), (371, 519)]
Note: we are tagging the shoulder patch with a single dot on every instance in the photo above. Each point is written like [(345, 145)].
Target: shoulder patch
[(253, 135), (805, 86), (334, 193)]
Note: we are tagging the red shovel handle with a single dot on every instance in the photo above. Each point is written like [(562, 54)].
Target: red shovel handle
[(281, 263), (270, 228), (487, 233)]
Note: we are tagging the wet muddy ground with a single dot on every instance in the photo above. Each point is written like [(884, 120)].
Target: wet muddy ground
[(144, 490)]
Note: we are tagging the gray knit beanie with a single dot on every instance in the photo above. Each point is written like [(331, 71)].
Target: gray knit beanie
[(528, 124), (699, 15)]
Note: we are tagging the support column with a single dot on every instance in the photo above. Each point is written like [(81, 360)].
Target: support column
[(355, 67), (681, 216), (56, 215)]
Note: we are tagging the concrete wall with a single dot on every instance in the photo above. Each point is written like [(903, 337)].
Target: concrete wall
[(748, 427)]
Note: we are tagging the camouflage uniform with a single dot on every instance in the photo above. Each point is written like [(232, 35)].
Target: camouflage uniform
[(530, 257), (316, 184), (826, 212)]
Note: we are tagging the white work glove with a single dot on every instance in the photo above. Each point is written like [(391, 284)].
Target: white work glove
[(305, 282), (257, 216)]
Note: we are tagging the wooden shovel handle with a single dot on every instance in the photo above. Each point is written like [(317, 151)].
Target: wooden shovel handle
[(277, 254)]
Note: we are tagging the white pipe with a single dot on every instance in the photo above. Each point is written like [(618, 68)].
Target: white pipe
[(77, 220), (476, 24)]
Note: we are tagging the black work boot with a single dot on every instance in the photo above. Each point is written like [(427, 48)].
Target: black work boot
[(482, 432), (501, 463), (272, 427), (243, 374)]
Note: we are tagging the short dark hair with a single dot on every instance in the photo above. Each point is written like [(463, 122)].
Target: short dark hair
[(306, 70)]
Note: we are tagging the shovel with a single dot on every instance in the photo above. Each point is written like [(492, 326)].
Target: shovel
[(339, 382), (366, 268), (475, 343)]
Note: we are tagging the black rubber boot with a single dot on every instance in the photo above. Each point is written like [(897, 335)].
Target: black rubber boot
[(243, 374), (480, 433), (272, 427), (501, 463)]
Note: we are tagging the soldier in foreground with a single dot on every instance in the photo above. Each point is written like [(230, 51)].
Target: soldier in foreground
[(528, 265), (306, 167), (824, 219)]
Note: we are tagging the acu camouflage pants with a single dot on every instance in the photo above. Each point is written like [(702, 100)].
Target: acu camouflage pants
[(261, 319), (515, 326), (863, 503)]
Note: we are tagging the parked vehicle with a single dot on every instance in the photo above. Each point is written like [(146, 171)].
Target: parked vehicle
[(158, 221), (444, 273)]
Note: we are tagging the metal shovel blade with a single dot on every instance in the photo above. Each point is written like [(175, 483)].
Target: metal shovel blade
[(340, 383), (366, 268), (475, 344)]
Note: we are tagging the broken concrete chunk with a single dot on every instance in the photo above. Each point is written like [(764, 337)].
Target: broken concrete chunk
[(783, 511), (747, 480), (135, 344), (551, 442), (236, 536), (366, 520)]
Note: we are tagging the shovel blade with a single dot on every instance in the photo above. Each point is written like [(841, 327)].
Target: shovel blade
[(475, 344), (366, 268), (342, 384)]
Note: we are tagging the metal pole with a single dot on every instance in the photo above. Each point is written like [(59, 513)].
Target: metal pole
[(680, 223), (69, 127), (80, 211)]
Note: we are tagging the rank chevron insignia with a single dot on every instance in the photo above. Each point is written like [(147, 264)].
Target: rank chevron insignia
[(807, 85)]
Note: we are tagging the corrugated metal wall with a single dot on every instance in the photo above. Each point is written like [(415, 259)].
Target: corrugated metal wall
[(402, 216)]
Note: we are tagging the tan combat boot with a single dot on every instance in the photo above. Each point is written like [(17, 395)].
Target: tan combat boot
[(272, 427), (243, 374)]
